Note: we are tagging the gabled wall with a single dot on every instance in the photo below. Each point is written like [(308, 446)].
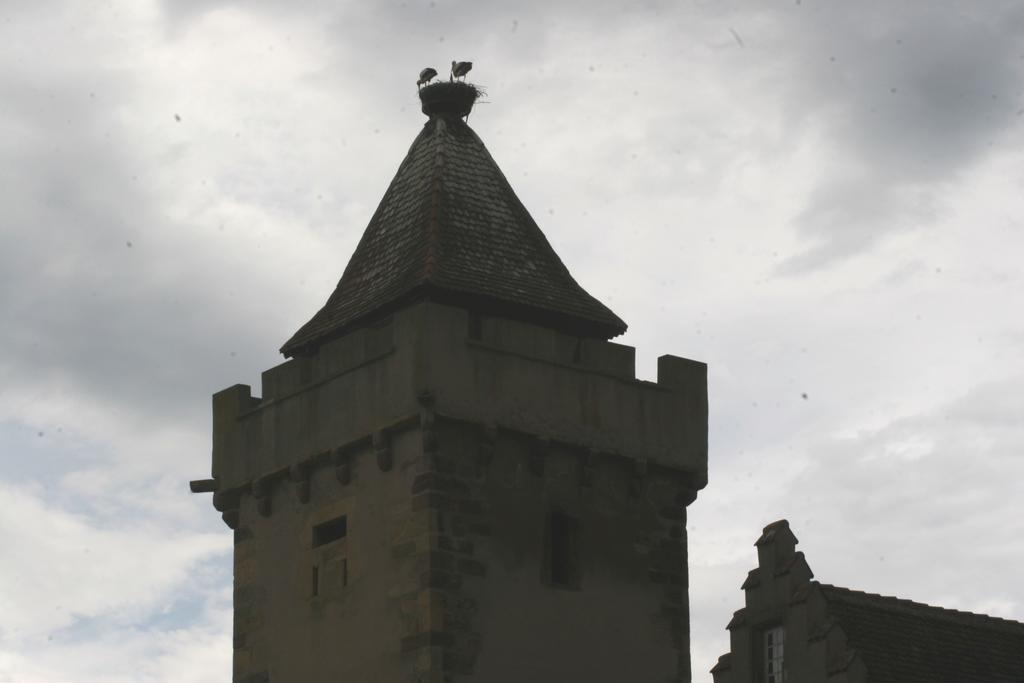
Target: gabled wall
[(780, 592)]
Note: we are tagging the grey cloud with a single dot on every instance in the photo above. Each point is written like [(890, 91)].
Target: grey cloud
[(102, 571), (87, 305), (950, 475), (396, 38), (910, 98), (101, 293)]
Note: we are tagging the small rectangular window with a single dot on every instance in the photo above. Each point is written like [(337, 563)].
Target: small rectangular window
[(563, 550), (774, 671), (316, 581), (329, 531)]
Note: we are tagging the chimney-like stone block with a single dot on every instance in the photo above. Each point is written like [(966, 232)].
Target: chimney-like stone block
[(775, 548), (228, 404), (281, 380), (605, 356), (688, 380)]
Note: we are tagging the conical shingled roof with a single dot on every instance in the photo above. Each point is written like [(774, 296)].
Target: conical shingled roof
[(451, 229)]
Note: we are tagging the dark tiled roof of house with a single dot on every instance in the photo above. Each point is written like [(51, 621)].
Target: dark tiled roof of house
[(450, 228), (909, 642)]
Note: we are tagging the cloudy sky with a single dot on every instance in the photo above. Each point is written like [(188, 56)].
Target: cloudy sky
[(820, 201)]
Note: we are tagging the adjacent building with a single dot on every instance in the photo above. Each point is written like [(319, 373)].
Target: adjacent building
[(794, 629), (457, 476)]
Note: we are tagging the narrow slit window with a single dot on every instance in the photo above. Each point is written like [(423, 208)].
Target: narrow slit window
[(316, 581), (344, 571), (330, 531), (774, 671), (563, 551)]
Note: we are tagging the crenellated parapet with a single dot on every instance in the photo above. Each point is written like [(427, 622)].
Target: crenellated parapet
[(496, 373)]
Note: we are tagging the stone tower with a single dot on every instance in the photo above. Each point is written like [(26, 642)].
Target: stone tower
[(456, 476)]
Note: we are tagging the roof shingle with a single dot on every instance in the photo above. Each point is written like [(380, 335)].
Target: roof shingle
[(906, 642)]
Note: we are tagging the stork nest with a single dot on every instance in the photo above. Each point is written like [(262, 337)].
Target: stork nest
[(449, 97)]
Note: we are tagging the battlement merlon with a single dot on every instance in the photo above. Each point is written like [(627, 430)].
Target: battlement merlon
[(485, 370)]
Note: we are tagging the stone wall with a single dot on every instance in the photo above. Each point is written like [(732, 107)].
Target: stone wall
[(350, 625), (447, 443), (445, 568), (520, 376)]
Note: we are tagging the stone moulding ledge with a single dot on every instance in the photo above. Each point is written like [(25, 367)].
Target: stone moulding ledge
[(268, 402), (588, 454), (263, 403), (578, 367)]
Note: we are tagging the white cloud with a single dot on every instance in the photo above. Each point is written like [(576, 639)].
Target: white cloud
[(65, 567), (200, 653)]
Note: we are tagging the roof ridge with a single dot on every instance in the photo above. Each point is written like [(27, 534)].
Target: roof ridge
[(891, 601), (436, 180)]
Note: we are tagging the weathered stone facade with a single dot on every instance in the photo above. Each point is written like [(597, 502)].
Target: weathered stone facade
[(793, 628), (457, 478), (446, 443)]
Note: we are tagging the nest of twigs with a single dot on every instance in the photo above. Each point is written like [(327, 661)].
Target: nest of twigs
[(454, 98)]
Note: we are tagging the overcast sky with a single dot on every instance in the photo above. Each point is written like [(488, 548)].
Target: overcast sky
[(821, 200)]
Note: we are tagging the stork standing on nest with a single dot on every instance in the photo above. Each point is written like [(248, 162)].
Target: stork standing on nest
[(425, 76), (460, 69)]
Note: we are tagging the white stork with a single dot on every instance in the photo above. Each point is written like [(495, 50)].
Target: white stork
[(460, 69), (425, 76)]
